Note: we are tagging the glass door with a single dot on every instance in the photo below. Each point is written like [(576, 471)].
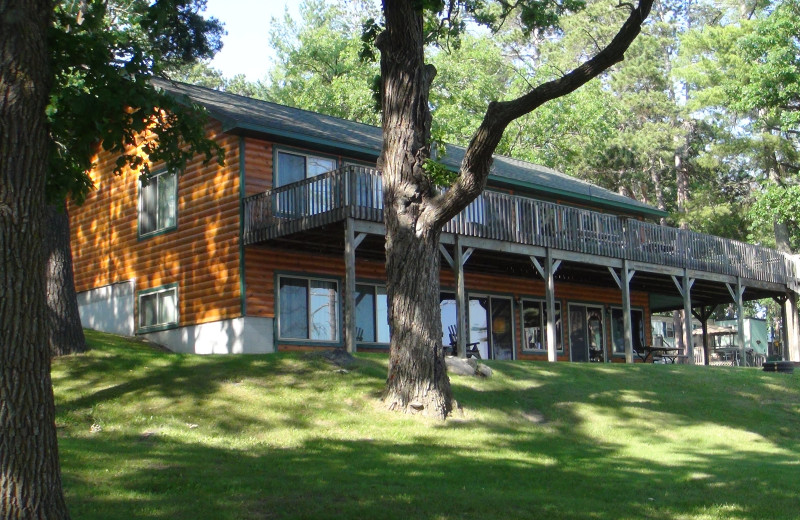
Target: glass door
[(586, 336), (491, 326)]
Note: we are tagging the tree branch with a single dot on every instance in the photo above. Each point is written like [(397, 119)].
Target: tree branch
[(478, 157)]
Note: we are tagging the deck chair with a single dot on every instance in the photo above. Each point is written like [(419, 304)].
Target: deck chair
[(472, 348)]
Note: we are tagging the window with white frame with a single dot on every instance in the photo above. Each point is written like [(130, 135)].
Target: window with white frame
[(158, 204), (618, 329), (158, 308), (308, 199), (308, 309), (372, 314), (294, 167), (534, 319)]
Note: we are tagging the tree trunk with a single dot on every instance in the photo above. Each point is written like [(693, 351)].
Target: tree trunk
[(30, 479), (780, 228), (655, 176), (414, 211), (417, 380), (66, 333)]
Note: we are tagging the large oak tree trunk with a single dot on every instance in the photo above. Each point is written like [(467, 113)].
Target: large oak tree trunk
[(417, 379), (66, 333), (414, 211), (30, 480)]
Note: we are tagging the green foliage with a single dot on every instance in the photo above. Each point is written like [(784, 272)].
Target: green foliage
[(103, 58), (772, 50), (714, 217), (468, 78), (778, 202), (674, 95), (319, 66), (747, 79), (439, 174)]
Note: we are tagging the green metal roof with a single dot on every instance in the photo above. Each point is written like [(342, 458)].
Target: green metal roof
[(248, 116)]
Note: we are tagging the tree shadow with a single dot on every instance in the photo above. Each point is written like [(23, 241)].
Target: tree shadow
[(419, 479), (538, 453)]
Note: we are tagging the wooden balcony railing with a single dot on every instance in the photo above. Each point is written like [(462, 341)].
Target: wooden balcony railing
[(356, 191)]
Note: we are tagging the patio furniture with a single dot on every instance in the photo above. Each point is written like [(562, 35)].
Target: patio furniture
[(472, 348)]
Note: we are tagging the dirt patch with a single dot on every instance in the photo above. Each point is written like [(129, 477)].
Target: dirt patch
[(535, 416), (338, 356)]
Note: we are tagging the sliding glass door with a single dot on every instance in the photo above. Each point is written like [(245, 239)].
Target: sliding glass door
[(586, 333), (491, 326)]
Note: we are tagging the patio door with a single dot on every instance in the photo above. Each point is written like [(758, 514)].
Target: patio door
[(491, 326), (586, 333)]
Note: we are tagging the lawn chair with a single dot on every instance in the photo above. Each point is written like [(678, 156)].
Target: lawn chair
[(472, 348)]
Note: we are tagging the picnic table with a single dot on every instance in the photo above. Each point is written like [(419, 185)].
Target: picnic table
[(667, 354)]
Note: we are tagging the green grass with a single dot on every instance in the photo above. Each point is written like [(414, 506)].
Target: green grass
[(147, 434)]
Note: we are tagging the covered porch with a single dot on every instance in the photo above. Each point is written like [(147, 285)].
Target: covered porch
[(341, 212)]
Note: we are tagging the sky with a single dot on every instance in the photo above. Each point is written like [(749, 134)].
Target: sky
[(246, 46)]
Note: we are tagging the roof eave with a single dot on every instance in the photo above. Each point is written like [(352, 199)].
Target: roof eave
[(579, 197), (297, 138)]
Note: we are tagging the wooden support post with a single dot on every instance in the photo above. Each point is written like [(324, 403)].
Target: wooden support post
[(623, 280), (703, 315), (687, 312), (626, 310), (459, 259), (740, 319), (548, 272), (351, 243), (736, 294), (349, 286), (685, 290), (784, 339), (793, 331), (784, 326)]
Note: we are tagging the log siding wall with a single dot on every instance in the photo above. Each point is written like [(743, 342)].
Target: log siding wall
[(201, 255), (264, 264)]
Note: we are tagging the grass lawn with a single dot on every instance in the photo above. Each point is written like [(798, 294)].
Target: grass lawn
[(147, 434)]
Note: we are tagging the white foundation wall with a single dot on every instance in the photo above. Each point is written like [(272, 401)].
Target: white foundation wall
[(249, 335), (109, 308)]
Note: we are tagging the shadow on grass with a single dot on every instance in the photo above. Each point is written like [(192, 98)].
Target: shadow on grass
[(526, 448), (141, 373), (358, 479), (747, 399)]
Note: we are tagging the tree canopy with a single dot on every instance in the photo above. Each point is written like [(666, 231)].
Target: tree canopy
[(103, 56), (680, 123)]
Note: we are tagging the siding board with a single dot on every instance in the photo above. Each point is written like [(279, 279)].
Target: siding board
[(201, 255), (263, 264)]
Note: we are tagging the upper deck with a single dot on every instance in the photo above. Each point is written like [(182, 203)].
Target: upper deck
[(508, 223)]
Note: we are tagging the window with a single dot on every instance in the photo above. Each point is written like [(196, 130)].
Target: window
[(586, 333), (309, 198), (308, 309), (449, 312), (372, 314), (294, 167), (158, 308), (534, 319), (491, 326), (158, 207), (618, 329)]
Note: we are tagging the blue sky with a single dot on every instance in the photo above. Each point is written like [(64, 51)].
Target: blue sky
[(246, 46)]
